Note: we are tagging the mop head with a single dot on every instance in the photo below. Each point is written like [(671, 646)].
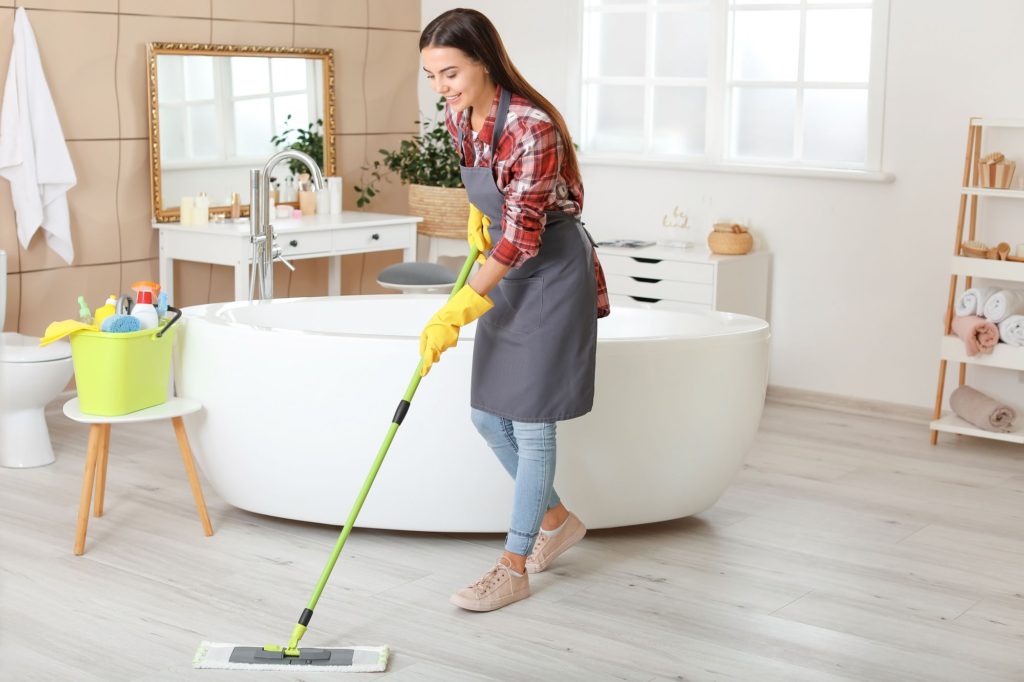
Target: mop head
[(353, 659)]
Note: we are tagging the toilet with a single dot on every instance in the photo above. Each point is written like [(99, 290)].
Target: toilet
[(30, 377)]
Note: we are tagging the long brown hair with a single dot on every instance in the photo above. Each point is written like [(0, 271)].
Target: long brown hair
[(473, 33)]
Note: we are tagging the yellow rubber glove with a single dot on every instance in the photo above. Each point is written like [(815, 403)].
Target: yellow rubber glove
[(476, 232), (442, 331)]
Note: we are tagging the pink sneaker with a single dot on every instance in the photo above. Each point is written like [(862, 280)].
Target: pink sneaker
[(548, 547), (499, 587)]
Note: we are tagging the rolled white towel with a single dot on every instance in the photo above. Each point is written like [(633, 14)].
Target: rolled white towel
[(1003, 304), (1011, 330), (972, 301)]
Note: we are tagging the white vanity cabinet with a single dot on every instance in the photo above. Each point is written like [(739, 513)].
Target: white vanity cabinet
[(331, 236), (687, 279)]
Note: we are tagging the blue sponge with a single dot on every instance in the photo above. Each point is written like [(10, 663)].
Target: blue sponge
[(161, 304), (121, 324)]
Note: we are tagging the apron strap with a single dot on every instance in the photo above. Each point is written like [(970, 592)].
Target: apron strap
[(499, 126)]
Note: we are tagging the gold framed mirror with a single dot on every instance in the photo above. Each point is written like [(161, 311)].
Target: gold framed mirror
[(216, 111)]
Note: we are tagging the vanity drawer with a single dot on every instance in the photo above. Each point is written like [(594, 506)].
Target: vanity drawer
[(303, 243), (372, 238), (652, 268), (690, 292), (639, 302)]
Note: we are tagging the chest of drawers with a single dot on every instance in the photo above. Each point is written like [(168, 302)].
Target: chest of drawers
[(687, 279)]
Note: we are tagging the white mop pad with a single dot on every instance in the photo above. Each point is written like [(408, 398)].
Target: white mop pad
[(365, 659)]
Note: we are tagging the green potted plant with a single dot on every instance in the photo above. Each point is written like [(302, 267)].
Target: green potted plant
[(309, 140), (429, 164)]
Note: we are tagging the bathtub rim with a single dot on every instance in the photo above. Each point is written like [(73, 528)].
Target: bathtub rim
[(210, 313)]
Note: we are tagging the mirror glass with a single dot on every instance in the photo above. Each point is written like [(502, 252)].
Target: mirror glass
[(217, 114)]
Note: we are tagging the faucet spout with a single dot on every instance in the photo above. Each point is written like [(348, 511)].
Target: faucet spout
[(261, 232)]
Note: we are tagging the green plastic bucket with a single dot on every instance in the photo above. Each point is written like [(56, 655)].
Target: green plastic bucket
[(121, 373)]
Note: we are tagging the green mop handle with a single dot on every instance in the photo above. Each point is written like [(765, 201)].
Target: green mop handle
[(396, 421)]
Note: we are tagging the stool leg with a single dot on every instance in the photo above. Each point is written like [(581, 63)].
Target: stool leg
[(91, 455), (101, 471), (190, 468)]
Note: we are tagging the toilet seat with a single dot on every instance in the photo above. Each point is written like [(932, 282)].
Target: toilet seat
[(20, 348)]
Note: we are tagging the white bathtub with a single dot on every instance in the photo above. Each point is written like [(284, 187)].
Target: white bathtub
[(299, 394)]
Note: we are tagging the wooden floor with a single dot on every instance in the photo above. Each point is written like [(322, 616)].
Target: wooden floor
[(847, 549)]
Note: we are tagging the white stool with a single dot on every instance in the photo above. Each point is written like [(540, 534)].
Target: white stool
[(96, 456)]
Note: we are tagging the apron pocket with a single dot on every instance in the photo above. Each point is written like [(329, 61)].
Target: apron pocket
[(522, 310)]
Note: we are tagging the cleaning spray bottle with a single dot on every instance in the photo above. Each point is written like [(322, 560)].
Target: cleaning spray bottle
[(144, 311), (107, 309), (84, 314)]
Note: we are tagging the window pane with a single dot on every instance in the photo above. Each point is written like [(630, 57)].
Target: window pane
[(679, 121), (297, 106), (172, 133), (765, 45), (838, 45), (288, 73), (835, 125), (605, 3), (681, 44), (198, 77), (617, 118), (205, 132), (170, 86), (762, 123), (252, 128), (766, 2), (249, 75), (616, 43)]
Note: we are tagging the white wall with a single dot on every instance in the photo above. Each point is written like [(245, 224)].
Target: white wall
[(860, 269)]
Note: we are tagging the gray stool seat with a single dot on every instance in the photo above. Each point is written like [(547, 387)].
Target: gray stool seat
[(417, 277)]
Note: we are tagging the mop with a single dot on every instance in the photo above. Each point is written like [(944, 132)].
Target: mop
[(346, 659)]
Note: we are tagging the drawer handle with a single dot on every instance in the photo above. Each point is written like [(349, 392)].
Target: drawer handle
[(294, 242), (645, 280), (644, 299), (645, 260), (375, 236)]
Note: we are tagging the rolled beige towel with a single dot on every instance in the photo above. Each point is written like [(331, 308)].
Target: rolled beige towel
[(979, 335), (977, 408)]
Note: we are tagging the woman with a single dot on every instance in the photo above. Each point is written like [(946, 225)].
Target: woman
[(541, 287)]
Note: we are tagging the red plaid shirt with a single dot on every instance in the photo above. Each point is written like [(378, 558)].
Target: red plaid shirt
[(529, 168)]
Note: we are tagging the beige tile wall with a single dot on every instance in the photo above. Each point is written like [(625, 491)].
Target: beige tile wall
[(94, 56)]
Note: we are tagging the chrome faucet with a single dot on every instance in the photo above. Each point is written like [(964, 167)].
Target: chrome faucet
[(261, 232)]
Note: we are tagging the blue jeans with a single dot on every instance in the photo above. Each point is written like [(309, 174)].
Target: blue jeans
[(527, 451)]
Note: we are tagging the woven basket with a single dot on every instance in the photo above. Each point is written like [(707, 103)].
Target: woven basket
[(730, 243), (445, 210)]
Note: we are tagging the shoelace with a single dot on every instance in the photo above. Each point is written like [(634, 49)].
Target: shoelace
[(490, 579)]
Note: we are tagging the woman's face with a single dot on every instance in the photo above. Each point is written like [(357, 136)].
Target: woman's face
[(461, 80)]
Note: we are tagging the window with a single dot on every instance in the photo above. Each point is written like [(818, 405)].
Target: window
[(794, 83)]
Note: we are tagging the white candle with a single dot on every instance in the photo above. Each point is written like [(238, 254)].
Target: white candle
[(334, 190), (186, 210)]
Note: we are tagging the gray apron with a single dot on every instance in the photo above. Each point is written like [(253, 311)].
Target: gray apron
[(534, 354)]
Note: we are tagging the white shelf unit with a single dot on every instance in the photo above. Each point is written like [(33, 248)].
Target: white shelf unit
[(954, 424), (952, 349), (993, 192)]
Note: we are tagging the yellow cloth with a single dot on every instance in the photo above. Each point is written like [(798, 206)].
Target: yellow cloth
[(442, 331), (476, 232), (58, 330)]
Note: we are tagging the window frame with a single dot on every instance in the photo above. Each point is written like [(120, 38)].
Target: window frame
[(718, 88)]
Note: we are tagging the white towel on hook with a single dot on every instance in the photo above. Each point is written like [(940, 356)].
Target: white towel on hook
[(972, 301), (33, 155), (1003, 304), (1011, 330)]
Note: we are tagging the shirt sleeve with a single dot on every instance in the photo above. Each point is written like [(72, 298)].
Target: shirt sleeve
[(533, 186)]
